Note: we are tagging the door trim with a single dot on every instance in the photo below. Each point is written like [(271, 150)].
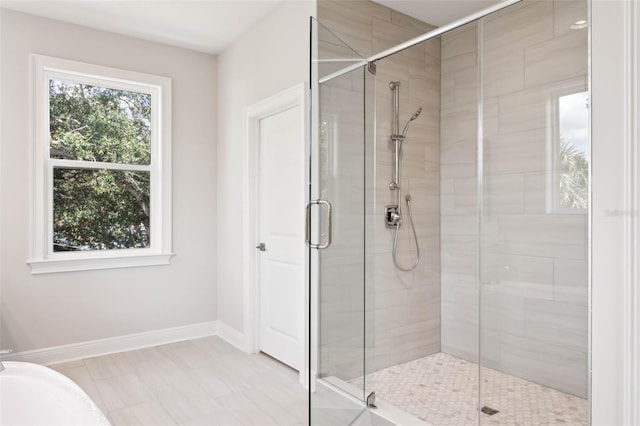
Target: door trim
[(294, 97), (615, 244)]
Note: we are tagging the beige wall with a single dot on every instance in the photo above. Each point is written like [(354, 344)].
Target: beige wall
[(64, 308), (533, 260), (406, 305), (271, 57)]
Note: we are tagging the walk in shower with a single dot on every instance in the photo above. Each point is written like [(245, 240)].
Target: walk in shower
[(455, 288)]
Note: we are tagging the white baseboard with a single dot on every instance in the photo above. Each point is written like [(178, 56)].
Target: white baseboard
[(64, 353), (232, 336)]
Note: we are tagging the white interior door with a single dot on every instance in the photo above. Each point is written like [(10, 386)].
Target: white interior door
[(281, 227)]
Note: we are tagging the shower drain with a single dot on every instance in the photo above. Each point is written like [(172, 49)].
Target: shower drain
[(489, 411)]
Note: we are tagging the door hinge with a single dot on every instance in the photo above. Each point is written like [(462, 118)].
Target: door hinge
[(371, 67), (371, 400)]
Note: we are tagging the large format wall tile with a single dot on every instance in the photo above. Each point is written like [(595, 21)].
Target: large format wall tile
[(531, 277)]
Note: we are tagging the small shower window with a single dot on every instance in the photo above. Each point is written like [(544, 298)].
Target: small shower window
[(570, 156), (102, 167)]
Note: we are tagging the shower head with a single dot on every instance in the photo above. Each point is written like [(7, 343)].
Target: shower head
[(408, 198), (413, 117)]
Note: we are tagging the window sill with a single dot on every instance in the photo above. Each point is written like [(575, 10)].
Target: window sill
[(50, 266)]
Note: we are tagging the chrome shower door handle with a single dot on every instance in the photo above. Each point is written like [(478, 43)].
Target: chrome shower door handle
[(308, 224)]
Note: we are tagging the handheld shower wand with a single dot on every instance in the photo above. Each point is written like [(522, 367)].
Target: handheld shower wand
[(413, 117)]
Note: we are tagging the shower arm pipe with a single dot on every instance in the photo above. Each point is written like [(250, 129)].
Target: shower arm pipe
[(360, 64)]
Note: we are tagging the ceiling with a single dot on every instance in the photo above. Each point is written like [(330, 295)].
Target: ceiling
[(437, 12), (206, 25)]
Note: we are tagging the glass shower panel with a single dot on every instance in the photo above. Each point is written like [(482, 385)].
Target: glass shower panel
[(534, 214), (459, 233), (338, 177)]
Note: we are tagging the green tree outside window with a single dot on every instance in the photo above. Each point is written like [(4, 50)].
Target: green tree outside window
[(99, 209)]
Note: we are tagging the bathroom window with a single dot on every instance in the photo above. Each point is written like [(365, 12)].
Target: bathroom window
[(569, 168), (102, 171)]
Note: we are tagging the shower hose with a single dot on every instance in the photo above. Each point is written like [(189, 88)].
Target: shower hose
[(415, 237)]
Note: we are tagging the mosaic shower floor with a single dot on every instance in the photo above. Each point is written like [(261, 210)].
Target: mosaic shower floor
[(443, 390)]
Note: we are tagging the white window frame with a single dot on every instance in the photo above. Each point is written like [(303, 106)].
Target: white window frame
[(553, 143), (43, 258)]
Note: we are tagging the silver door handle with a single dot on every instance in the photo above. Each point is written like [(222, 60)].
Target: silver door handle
[(308, 224), (261, 247)]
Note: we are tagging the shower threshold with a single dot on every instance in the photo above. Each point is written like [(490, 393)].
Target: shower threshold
[(384, 414)]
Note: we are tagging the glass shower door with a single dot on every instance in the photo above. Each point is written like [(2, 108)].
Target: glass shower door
[(337, 216)]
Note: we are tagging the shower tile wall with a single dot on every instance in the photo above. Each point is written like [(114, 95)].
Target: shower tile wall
[(534, 320), (406, 305)]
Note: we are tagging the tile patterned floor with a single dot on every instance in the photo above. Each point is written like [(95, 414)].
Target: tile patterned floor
[(443, 390), (197, 382)]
